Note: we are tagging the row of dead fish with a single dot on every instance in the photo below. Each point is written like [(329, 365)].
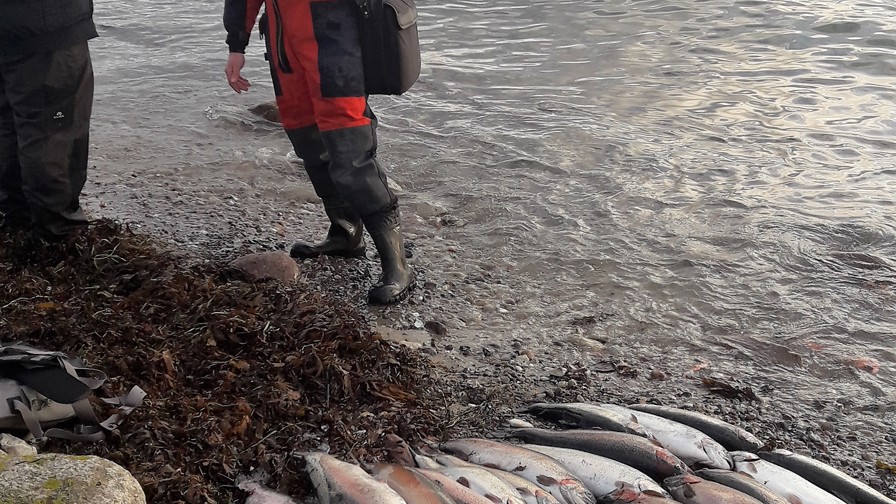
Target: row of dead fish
[(643, 454)]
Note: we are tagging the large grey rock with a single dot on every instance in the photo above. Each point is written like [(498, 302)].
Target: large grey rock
[(277, 265), (52, 478)]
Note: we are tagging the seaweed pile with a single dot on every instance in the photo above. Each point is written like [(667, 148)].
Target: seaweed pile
[(241, 375)]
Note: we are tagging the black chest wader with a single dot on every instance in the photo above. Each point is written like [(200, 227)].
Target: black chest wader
[(342, 162)]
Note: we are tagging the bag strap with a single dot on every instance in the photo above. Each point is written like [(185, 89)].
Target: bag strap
[(90, 429)]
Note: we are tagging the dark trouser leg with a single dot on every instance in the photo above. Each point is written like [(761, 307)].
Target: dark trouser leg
[(13, 208), (345, 237), (358, 177), (51, 95)]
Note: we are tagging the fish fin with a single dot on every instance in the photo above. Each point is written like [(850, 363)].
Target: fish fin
[(493, 498), (464, 481), (793, 499), (490, 465), (543, 479), (653, 493), (525, 492)]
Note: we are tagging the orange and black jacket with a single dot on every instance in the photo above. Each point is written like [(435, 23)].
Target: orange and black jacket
[(239, 18), (31, 26)]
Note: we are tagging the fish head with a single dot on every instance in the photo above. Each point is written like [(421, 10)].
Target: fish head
[(745, 462), (624, 492), (669, 464), (541, 497), (425, 462), (637, 429), (681, 486), (574, 492), (718, 456), (316, 472)]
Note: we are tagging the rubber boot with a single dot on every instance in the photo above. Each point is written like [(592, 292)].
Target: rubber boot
[(397, 279), (345, 238)]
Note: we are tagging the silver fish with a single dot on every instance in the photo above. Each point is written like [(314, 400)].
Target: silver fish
[(587, 416), (790, 485), (458, 492), (601, 475), (484, 483), (833, 480), (642, 453), (687, 443), (536, 467), (530, 492), (730, 436)]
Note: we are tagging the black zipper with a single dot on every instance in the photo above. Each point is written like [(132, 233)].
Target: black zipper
[(282, 60)]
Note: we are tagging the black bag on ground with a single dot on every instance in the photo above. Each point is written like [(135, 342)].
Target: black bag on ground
[(41, 389), (390, 45)]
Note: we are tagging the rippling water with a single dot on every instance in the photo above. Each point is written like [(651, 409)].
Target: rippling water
[(713, 178)]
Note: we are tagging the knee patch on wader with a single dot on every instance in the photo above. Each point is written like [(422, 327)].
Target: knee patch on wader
[(355, 171), (310, 148)]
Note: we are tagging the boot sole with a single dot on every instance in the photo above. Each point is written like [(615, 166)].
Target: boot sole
[(352, 254), (401, 296)]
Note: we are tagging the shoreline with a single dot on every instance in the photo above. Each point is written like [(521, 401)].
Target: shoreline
[(482, 380)]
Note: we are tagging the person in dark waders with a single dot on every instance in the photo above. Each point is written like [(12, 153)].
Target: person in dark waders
[(314, 52), (46, 96)]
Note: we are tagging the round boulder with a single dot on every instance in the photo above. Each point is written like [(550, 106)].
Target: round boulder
[(277, 265)]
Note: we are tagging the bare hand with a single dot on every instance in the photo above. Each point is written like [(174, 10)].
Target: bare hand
[(235, 63)]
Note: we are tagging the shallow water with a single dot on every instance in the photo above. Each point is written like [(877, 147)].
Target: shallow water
[(713, 180)]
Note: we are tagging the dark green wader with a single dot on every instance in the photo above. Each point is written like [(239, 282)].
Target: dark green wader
[(45, 106)]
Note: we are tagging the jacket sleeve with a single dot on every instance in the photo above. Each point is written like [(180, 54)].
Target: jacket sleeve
[(239, 18)]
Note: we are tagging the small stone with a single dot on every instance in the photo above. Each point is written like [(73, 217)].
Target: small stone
[(16, 447), (656, 374), (529, 354), (562, 384), (436, 327), (558, 372), (487, 351), (572, 384)]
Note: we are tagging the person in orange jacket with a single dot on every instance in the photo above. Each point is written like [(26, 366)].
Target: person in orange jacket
[(314, 52)]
